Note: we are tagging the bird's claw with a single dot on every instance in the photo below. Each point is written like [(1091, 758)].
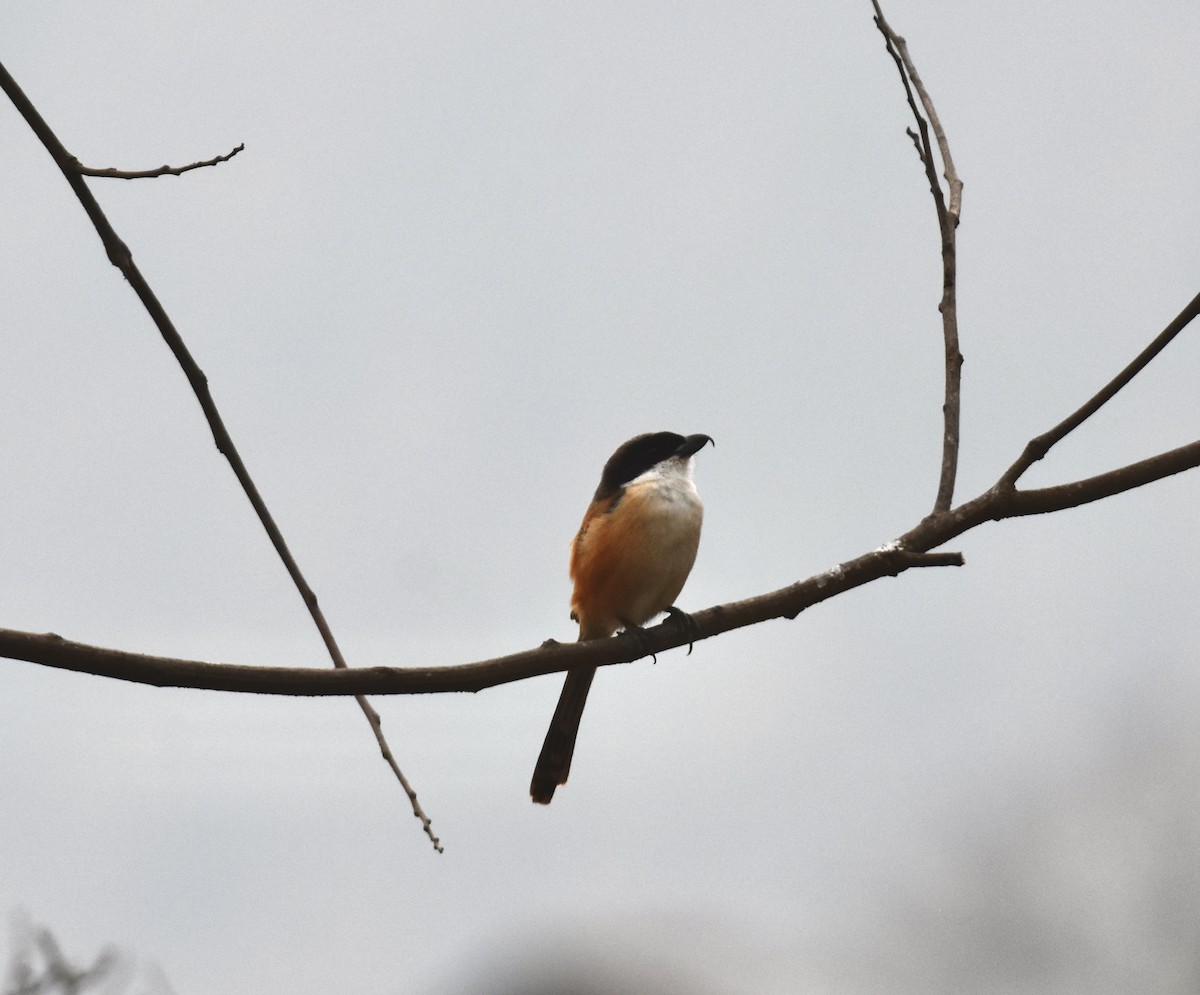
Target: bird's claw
[(638, 635), (686, 624)]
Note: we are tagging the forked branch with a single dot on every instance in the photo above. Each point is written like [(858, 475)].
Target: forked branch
[(914, 549), (947, 218), (911, 550), (122, 258)]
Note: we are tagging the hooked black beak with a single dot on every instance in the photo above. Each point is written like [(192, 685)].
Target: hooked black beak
[(693, 444)]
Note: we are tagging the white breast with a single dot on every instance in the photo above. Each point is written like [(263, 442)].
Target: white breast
[(670, 513)]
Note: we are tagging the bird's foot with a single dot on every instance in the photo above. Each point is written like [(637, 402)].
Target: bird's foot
[(638, 635), (686, 624)]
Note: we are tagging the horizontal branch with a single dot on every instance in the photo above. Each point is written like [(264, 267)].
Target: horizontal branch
[(147, 174), (51, 650), (910, 551)]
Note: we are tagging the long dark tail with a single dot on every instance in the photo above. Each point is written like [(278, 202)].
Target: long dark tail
[(554, 762)]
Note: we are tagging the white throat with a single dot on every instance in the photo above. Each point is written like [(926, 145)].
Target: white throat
[(677, 470)]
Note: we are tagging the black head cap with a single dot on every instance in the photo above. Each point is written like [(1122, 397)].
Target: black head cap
[(640, 453)]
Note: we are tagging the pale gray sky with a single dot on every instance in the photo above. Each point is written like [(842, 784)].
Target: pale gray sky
[(467, 251)]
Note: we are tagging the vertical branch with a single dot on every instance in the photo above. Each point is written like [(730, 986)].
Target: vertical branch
[(120, 256), (947, 216)]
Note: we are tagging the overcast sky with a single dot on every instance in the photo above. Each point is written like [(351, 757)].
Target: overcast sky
[(467, 251)]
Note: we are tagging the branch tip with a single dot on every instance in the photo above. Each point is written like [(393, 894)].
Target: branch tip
[(145, 174)]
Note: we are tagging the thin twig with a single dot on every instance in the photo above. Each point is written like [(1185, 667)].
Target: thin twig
[(910, 69), (122, 258), (146, 174), (947, 218), (1040, 446)]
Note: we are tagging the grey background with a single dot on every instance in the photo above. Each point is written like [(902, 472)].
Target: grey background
[(468, 250)]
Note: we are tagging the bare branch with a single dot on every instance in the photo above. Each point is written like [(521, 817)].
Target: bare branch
[(1042, 500), (909, 69), (145, 174), (947, 218), (1040, 446), (915, 549), (122, 258), (912, 550), (51, 650), (386, 751)]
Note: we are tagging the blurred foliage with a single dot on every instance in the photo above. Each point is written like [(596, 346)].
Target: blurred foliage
[(38, 966)]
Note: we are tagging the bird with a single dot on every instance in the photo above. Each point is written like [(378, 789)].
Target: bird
[(629, 562)]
